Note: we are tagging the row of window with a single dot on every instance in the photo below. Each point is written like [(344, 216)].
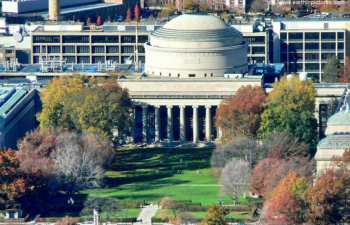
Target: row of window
[(86, 39), (254, 40), (298, 36), (86, 59), (298, 67), (86, 49), (311, 46), (293, 57)]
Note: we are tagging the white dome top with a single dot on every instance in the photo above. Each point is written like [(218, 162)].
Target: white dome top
[(196, 21)]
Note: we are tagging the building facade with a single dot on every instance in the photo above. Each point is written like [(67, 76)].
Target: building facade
[(116, 43), (306, 45)]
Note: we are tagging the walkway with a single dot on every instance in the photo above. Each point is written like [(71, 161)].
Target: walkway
[(146, 214)]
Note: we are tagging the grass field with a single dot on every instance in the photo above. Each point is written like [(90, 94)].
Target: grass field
[(239, 216), (150, 174)]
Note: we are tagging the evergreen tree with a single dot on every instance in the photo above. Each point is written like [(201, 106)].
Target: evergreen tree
[(331, 71)]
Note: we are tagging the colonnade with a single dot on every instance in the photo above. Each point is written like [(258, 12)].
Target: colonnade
[(157, 123)]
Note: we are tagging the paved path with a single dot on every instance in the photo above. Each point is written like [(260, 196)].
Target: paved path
[(146, 214)]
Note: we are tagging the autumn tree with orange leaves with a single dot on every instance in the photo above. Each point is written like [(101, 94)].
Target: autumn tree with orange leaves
[(239, 115), (12, 182), (286, 205), (137, 13), (128, 15), (345, 72)]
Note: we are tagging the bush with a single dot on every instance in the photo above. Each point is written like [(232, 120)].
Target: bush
[(131, 204), (238, 208), (197, 208)]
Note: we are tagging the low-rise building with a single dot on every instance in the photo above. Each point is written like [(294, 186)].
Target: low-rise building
[(306, 45)]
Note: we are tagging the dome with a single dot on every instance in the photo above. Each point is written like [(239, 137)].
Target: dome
[(196, 21), (196, 27), (196, 45)]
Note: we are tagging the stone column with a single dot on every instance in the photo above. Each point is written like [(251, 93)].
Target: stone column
[(170, 123), (157, 123), (208, 123), (195, 124), (182, 123), (144, 123)]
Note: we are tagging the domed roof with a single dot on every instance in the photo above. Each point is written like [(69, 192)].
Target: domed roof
[(196, 27), (196, 21)]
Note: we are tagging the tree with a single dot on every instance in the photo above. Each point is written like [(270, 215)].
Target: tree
[(187, 218), (286, 205), (108, 205), (324, 206), (217, 215), (77, 165), (66, 221), (329, 8), (235, 177), (290, 109), (151, 17), (286, 147), (128, 15), (168, 10), (106, 110), (345, 71), (204, 7), (331, 71), (171, 204), (137, 13), (240, 115), (54, 98), (99, 20), (244, 148), (12, 182), (258, 6), (344, 8), (190, 5)]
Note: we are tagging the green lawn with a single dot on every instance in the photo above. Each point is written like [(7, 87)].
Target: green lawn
[(150, 174)]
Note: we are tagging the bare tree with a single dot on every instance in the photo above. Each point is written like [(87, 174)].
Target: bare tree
[(282, 145), (244, 148), (174, 205), (235, 177), (258, 6), (187, 218), (77, 166)]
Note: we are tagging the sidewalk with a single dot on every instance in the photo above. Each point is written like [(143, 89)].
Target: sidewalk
[(146, 214)]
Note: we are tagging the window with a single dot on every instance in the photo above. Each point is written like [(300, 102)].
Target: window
[(340, 36), (211, 74), (105, 39), (142, 59), (36, 49), (97, 59), (83, 59), (258, 59), (46, 39), (112, 49), (68, 49), (312, 46), (141, 49), (169, 74), (312, 56), (70, 59), (76, 39), (327, 56), (178, 75), (128, 39), (205, 75), (191, 75), (295, 46), (258, 50), (98, 49), (293, 57), (295, 36), (9, 51), (328, 46), (312, 67), (127, 49), (312, 36), (53, 49), (284, 36), (83, 49), (328, 36), (340, 46), (254, 40), (142, 38), (113, 58)]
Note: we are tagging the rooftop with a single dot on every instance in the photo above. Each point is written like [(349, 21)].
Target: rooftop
[(9, 97), (340, 118), (335, 141)]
